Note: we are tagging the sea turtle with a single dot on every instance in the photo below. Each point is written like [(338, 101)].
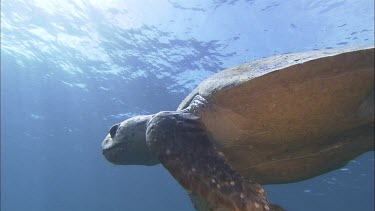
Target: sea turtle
[(281, 119)]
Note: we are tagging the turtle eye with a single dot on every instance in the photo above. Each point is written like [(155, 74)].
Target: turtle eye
[(113, 130)]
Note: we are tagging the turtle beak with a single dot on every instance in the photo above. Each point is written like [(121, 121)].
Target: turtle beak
[(107, 143), (110, 150)]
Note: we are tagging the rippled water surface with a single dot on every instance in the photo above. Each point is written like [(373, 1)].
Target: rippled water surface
[(71, 69)]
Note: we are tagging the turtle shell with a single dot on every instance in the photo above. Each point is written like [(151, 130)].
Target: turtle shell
[(291, 117)]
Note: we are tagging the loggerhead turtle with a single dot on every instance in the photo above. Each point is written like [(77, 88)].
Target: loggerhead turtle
[(281, 119)]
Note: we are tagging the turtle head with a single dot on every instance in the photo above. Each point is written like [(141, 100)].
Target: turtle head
[(126, 143)]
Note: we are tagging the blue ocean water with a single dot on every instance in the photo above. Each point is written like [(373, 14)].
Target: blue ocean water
[(71, 69)]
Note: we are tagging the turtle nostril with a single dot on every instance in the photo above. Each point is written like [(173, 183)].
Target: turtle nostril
[(113, 130)]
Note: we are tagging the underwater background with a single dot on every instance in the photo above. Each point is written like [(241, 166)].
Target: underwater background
[(71, 69)]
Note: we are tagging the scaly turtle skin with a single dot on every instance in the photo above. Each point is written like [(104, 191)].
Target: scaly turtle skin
[(276, 120)]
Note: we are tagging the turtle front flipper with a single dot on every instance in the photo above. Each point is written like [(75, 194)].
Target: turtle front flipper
[(182, 145)]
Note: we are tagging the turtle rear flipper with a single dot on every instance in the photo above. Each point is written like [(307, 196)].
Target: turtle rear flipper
[(181, 143)]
